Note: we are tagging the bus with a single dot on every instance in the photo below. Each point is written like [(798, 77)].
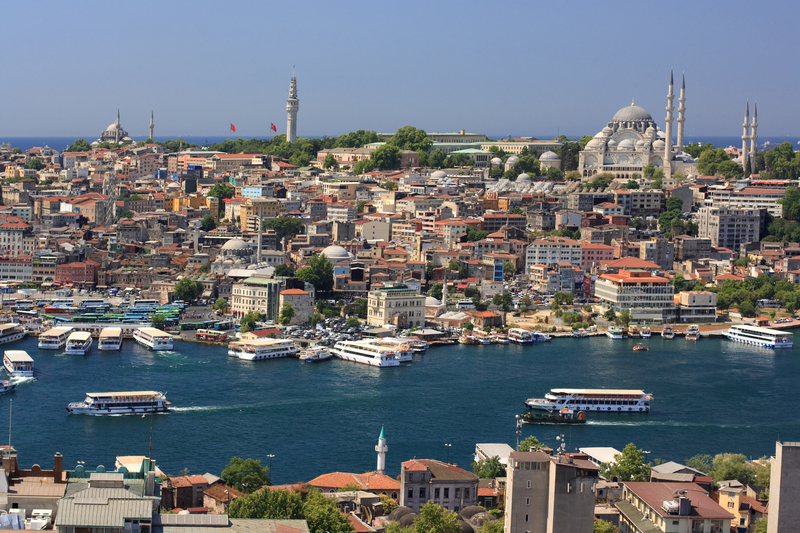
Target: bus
[(93, 303), (28, 312), (190, 326), (224, 325), (210, 335)]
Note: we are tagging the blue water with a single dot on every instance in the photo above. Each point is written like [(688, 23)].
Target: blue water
[(713, 396)]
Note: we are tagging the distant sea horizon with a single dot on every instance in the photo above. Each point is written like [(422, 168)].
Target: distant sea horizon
[(62, 142)]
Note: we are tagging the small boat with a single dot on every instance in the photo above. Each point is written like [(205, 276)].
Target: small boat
[(7, 386), (315, 354), (668, 332), (540, 337), (564, 416), (633, 331), (78, 343), (640, 348), (614, 332), (580, 333), (645, 332), (693, 333)]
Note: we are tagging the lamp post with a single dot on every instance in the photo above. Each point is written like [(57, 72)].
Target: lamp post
[(448, 446)]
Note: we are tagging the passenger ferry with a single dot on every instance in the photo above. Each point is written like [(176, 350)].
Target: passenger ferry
[(18, 363), (211, 335), (646, 332), (520, 336), (417, 345), (79, 342), (54, 339), (110, 339), (764, 337), (121, 403), (541, 337), (153, 339), (11, 332), (693, 333), (608, 400), (403, 347), (367, 353), (668, 332), (315, 354), (258, 349), (615, 332)]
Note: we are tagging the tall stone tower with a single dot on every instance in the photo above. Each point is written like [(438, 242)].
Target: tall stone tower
[(754, 139), (745, 136), (668, 132), (292, 105), (381, 448), (151, 124), (681, 113)]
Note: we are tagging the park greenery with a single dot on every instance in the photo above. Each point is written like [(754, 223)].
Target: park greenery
[(158, 321), (188, 289), (286, 314), (318, 272), (250, 320), (246, 475), (284, 226), (489, 468)]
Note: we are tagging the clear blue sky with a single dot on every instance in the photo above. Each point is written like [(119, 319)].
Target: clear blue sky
[(517, 67)]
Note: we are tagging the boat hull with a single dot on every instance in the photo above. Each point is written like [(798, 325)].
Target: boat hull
[(114, 411), (12, 338), (761, 344)]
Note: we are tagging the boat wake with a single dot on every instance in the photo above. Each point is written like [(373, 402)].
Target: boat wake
[(210, 408), (664, 423), (19, 381)]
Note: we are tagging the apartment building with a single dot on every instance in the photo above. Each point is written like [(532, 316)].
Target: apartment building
[(670, 507), (641, 203), (657, 250), (593, 254), (551, 250), (647, 297), (256, 294), (728, 227), (746, 198), (341, 212), (423, 480), (255, 208), (691, 248)]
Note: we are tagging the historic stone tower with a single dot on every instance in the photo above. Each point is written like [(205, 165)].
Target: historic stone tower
[(381, 448), (753, 139), (151, 124), (292, 105)]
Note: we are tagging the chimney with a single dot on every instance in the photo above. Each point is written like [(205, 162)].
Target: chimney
[(10, 461), (462, 132), (58, 467)]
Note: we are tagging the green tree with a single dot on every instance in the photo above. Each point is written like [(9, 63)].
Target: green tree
[(389, 186), (624, 318), (761, 525), (632, 184), (34, 164), (695, 149), (554, 174), (207, 223), (330, 162), (221, 191), (563, 298), (249, 321), (188, 289), (492, 526), (434, 519), (361, 205), (159, 321), (352, 322), (649, 170), (268, 504), (436, 159), (410, 138), (610, 315), (80, 145), (221, 305), (509, 269), (476, 235), (468, 326), (530, 444), (246, 475), (364, 166), (284, 226), (732, 466), (709, 161), (314, 320), (319, 273), (283, 271), (627, 466), (287, 314), (517, 211), (601, 526), (436, 291), (429, 270), (387, 157), (356, 139), (763, 471), (205, 269), (503, 300), (489, 468), (16, 151), (125, 214), (323, 515), (388, 504)]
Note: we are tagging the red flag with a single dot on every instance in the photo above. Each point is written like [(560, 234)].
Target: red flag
[(272, 126), (233, 128)]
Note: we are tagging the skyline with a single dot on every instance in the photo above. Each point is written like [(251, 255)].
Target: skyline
[(512, 71)]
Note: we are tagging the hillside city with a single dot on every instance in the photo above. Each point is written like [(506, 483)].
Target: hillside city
[(440, 237)]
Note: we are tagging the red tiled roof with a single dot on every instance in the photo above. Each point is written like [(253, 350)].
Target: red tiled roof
[(291, 292), (222, 493), (373, 480), (654, 494)]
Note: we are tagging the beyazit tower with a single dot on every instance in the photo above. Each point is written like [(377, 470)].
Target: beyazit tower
[(292, 105)]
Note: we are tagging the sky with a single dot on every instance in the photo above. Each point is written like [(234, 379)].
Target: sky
[(509, 67)]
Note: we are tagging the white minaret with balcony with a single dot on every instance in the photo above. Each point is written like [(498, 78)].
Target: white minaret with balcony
[(668, 131), (745, 136), (753, 139), (292, 105), (381, 448), (151, 124), (681, 113)]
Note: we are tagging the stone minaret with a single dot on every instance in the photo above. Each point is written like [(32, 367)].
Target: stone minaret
[(292, 105), (116, 129), (381, 448), (681, 113), (745, 136), (151, 124), (669, 119), (753, 139)]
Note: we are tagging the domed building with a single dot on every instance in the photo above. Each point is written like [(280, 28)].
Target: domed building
[(632, 140), (549, 159), (234, 254), (337, 255), (114, 133), (511, 161), (434, 307)]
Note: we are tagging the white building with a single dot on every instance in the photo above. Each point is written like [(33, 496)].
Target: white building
[(396, 304), (647, 297), (551, 250), (747, 198), (729, 227)]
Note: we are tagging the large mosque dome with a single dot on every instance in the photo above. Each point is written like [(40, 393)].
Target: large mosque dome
[(336, 253), (631, 113)]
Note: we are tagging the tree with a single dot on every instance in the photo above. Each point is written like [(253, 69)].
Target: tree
[(269, 504), (283, 271), (732, 466), (323, 516), (517, 211), (436, 291), (361, 205), (352, 322), (330, 162), (503, 300), (562, 298), (388, 504), (410, 138), (476, 235), (207, 223), (610, 315), (434, 519), (80, 145), (221, 305), (314, 320), (159, 321), (360, 307), (649, 170), (761, 525), (221, 191), (702, 463), (284, 226), (530, 443), (319, 273), (246, 475), (554, 174), (468, 326), (34, 164), (125, 214), (249, 321), (387, 157), (429, 270), (509, 269), (188, 290), (624, 318), (492, 526), (632, 184), (364, 166), (601, 526), (489, 468), (709, 162), (436, 159), (572, 175), (627, 466), (389, 186), (287, 314)]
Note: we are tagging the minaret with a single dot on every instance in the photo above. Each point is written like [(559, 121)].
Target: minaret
[(381, 448), (669, 119), (681, 113), (258, 253), (292, 105), (753, 139), (745, 135), (116, 129), (151, 124)]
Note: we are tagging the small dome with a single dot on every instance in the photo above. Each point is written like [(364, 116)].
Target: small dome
[(497, 161), (593, 143), (639, 143), (469, 511), (439, 174), (235, 244), (612, 143), (430, 301), (336, 252), (407, 520), (523, 177), (607, 131), (513, 159), (627, 144), (400, 512), (650, 131), (599, 135), (549, 156), (659, 145), (632, 113)]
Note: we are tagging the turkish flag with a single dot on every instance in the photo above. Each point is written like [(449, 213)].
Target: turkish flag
[(233, 128), (272, 126)]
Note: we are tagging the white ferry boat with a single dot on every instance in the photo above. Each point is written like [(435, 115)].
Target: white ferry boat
[(258, 349), (404, 350), (153, 338), (580, 333), (646, 332), (608, 400), (121, 403), (367, 353), (520, 336), (764, 337), (11, 332), (110, 339), (541, 337), (79, 342), (614, 332), (18, 363), (417, 345), (315, 354), (54, 339), (693, 333)]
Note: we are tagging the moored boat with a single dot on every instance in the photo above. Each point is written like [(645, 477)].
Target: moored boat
[(640, 348), (54, 339), (367, 353), (564, 416), (10, 333), (668, 332), (580, 333), (606, 400), (614, 332), (645, 332), (520, 336), (693, 333), (259, 349), (153, 338), (110, 339), (78, 343), (18, 363), (634, 331), (315, 354), (764, 337), (121, 403), (540, 337)]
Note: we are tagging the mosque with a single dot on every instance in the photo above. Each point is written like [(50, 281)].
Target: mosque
[(114, 134), (632, 140)]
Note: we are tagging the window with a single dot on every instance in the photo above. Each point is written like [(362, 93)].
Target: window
[(458, 493), (446, 493), (466, 493), (436, 493), (422, 492), (526, 518), (410, 493), (527, 501), (529, 483)]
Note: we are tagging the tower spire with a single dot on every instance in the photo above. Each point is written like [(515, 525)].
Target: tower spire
[(745, 135), (292, 106), (681, 112), (669, 119), (754, 139), (381, 448)]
